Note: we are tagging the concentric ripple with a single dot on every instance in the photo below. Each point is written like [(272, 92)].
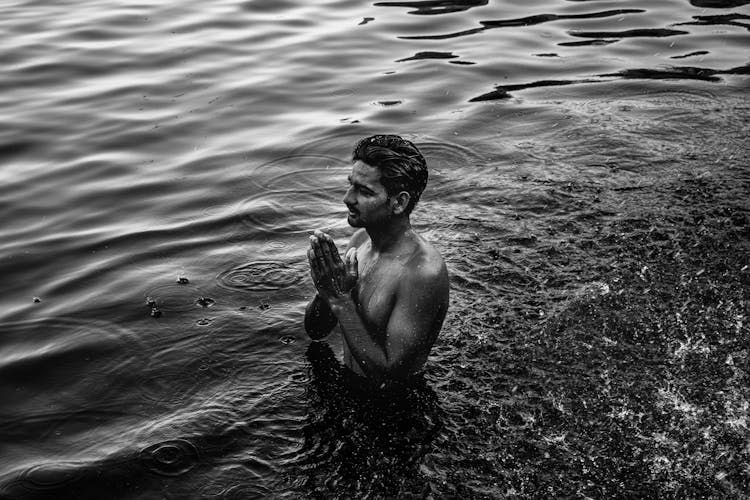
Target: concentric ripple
[(301, 171), (170, 458), (174, 297), (261, 276), (48, 476)]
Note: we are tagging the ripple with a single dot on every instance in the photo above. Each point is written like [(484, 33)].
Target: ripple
[(246, 492), (448, 162), (170, 458), (48, 476), (295, 212), (64, 361), (168, 386), (173, 297), (300, 377), (261, 276), (301, 171)]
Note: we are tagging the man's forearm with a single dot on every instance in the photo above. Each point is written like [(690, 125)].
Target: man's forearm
[(319, 319), (372, 357)]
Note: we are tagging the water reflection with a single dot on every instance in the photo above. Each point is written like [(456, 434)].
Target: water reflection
[(362, 440)]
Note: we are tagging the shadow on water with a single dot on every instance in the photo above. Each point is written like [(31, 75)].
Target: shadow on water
[(361, 440)]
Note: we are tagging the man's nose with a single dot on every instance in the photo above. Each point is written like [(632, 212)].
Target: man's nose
[(349, 197)]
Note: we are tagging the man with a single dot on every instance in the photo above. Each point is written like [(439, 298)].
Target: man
[(389, 294)]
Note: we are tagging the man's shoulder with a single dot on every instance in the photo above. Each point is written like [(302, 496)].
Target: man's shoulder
[(427, 265), (359, 237)]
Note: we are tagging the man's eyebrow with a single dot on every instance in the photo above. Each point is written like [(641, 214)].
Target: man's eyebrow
[(359, 185)]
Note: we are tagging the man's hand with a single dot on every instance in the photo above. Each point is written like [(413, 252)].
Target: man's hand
[(333, 278)]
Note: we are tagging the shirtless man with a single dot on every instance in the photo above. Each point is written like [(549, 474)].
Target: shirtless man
[(389, 294)]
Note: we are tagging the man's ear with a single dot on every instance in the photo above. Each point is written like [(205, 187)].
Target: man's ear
[(399, 202)]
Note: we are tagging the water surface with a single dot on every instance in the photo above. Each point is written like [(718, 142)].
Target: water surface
[(162, 165)]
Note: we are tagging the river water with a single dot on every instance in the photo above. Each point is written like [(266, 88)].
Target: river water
[(162, 164)]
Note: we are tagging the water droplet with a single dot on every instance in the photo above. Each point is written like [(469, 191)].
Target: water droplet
[(205, 301)]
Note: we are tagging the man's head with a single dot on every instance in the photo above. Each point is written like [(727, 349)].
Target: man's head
[(402, 167)]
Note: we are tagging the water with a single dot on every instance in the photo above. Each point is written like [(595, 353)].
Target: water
[(163, 163)]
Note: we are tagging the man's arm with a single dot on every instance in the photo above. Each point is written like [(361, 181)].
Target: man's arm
[(416, 318), (319, 319)]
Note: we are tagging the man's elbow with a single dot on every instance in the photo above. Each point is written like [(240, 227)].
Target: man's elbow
[(314, 330)]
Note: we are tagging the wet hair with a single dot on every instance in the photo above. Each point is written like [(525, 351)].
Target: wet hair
[(402, 167)]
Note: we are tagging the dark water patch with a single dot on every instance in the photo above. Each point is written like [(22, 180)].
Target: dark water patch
[(739, 70), (691, 54), (429, 55), (261, 276), (11, 149), (435, 7), (545, 18), (646, 32), (170, 458), (726, 19), (444, 36), (524, 22), (719, 4), (680, 72), (389, 103), (466, 63), (502, 92), (585, 43)]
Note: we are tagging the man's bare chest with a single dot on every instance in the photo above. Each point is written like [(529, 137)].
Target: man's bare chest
[(377, 287)]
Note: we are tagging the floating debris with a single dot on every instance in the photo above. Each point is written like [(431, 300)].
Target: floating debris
[(182, 280), (37, 300)]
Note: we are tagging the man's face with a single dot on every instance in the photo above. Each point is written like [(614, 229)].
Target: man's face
[(366, 197)]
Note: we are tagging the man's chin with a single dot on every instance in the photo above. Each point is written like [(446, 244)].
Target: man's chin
[(354, 221)]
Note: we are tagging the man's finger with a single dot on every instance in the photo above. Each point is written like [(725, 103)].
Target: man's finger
[(351, 262), (318, 251), (330, 253)]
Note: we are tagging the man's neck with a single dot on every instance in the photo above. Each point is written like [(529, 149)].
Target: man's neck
[(388, 238)]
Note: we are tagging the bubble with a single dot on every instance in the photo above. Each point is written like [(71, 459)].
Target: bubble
[(261, 276), (170, 458)]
